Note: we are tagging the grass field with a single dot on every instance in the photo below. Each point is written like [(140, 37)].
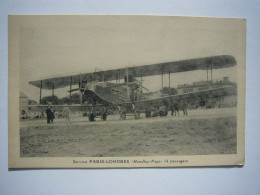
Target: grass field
[(142, 138)]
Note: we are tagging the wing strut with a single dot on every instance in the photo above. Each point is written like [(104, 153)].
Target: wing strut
[(162, 80), (119, 76), (211, 74), (52, 90), (40, 100), (169, 82), (80, 91), (141, 86), (207, 76), (70, 86)]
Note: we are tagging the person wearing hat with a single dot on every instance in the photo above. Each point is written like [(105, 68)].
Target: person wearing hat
[(48, 113), (52, 114), (66, 114)]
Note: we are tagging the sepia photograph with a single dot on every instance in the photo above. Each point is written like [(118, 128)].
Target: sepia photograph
[(104, 91)]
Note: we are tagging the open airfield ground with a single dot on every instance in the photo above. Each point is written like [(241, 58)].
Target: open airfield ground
[(201, 132)]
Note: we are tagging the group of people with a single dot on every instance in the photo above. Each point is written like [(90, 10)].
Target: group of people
[(175, 107), (50, 112), (66, 112)]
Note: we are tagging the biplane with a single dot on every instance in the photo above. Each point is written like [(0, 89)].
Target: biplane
[(127, 91)]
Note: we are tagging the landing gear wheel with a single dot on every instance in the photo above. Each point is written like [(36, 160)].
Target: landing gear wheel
[(148, 114), (123, 115), (91, 117), (161, 113), (137, 115)]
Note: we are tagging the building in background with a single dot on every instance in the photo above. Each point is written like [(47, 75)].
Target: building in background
[(23, 103), (223, 98)]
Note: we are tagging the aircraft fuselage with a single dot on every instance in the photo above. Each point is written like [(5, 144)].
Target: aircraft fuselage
[(110, 93)]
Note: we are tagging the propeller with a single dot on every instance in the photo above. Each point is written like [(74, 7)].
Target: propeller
[(140, 84), (144, 87)]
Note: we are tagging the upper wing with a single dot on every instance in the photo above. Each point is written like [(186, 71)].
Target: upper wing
[(216, 62)]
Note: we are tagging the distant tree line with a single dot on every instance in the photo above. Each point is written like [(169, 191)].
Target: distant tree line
[(32, 102), (169, 90)]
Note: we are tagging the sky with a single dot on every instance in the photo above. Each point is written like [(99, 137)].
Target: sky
[(52, 46)]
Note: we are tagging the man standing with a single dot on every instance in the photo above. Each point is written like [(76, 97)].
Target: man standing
[(66, 114), (48, 113), (122, 112), (52, 114)]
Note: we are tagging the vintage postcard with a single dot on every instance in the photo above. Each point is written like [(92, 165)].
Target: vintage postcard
[(109, 91)]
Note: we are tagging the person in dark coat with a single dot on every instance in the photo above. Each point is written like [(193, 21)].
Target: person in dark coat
[(52, 117), (48, 113)]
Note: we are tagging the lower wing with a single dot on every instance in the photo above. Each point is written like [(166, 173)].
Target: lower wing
[(201, 95)]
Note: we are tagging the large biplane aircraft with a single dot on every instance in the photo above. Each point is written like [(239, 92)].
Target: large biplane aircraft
[(128, 96)]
